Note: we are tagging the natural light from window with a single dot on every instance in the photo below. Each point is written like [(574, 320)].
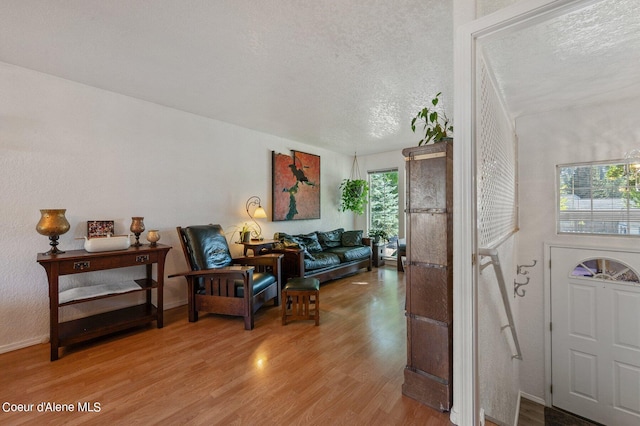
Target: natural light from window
[(599, 198), (383, 208)]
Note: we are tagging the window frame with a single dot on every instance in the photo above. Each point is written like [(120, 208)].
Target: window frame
[(629, 214)]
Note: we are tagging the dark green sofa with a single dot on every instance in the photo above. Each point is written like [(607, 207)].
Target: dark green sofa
[(323, 255)]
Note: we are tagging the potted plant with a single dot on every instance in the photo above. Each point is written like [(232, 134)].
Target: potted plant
[(378, 234), (353, 195), (244, 233), (436, 124)]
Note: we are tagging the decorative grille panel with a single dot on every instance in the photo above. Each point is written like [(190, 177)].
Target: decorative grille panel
[(496, 165)]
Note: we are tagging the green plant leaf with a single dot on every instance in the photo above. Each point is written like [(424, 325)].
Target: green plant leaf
[(436, 124), (354, 195)]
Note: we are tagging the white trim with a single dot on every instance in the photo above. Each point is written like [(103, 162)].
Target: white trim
[(513, 18), (515, 420), (530, 398), (175, 304), (533, 398), (548, 400), (45, 337), (548, 377), (465, 391), (24, 343)]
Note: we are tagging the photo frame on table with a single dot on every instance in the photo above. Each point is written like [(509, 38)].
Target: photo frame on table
[(296, 186), (100, 228)]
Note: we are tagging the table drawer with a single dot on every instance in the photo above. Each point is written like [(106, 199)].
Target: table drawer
[(99, 263)]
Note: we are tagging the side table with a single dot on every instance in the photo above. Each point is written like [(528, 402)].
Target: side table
[(256, 246), (378, 253)]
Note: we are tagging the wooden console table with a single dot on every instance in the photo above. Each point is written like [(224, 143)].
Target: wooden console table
[(80, 261)]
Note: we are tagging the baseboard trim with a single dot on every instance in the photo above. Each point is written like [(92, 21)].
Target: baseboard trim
[(23, 344), (515, 421), (533, 398), (45, 338), (174, 304)]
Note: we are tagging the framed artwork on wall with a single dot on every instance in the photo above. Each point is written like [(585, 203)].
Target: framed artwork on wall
[(296, 186)]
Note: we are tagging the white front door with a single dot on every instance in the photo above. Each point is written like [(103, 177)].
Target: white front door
[(595, 337)]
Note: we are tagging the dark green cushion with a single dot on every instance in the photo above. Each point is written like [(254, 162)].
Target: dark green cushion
[(348, 254), (260, 282), (352, 238), (310, 241), (321, 260), (303, 284), (291, 241), (331, 238)]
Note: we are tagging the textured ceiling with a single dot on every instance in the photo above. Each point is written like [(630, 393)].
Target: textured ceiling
[(344, 75), (588, 56)]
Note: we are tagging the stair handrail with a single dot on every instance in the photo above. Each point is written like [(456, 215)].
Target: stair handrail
[(495, 261)]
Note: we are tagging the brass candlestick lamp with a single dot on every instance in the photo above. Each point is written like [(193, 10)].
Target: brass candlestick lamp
[(53, 223), (137, 227)]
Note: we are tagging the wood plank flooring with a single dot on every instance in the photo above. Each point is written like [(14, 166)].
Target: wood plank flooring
[(531, 413), (348, 370)]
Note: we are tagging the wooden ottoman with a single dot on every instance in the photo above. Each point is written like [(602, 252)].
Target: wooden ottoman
[(297, 296)]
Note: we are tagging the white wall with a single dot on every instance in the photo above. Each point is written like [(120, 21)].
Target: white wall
[(485, 7), (498, 371), (104, 156), (580, 134)]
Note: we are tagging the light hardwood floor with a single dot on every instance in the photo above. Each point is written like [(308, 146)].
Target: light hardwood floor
[(349, 370)]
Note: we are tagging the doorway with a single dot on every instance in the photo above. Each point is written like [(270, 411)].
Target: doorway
[(384, 210), (595, 334)]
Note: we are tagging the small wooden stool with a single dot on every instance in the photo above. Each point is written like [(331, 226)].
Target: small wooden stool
[(298, 293)]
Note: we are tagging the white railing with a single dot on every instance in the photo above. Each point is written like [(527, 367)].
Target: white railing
[(495, 261)]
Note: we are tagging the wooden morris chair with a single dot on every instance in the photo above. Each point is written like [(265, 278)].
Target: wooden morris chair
[(222, 285)]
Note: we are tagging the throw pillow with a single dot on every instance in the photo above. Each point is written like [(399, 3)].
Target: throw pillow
[(310, 241), (352, 238), (331, 238)]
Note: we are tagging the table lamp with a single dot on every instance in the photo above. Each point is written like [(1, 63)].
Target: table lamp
[(258, 213)]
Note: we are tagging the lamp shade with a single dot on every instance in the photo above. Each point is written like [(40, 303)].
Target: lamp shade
[(259, 213)]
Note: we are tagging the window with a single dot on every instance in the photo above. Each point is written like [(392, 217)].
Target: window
[(605, 269), (383, 206), (599, 198)]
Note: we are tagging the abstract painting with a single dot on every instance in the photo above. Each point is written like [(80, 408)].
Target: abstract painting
[(296, 186)]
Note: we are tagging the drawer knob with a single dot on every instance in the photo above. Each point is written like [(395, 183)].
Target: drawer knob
[(79, 266), (142, 258)]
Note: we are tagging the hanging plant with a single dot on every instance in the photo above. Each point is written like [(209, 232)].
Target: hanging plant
[(354, 195), (354, 191), (436, 124)]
